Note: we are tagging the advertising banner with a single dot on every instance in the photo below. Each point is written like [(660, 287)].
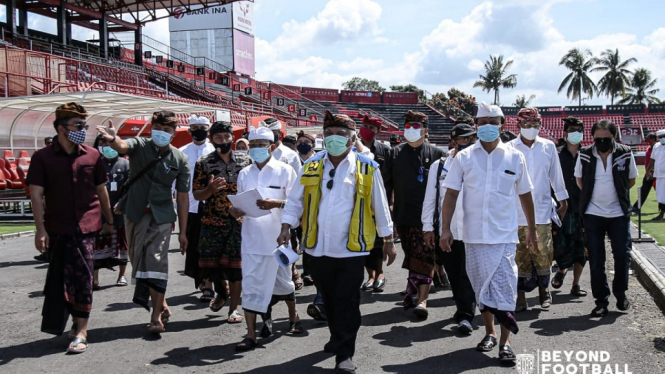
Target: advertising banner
[(243, 16), (215, 17), (243, 53)]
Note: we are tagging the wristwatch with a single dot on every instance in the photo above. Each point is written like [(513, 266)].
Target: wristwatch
[(391, 240)]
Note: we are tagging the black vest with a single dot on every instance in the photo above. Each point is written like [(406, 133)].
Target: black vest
[(621, 158)]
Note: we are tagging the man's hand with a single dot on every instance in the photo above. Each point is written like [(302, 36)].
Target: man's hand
[(562, 212), (182, 238), (267, 204), (532, 239), (216, 184), (107, 229), (236, 213), (107, 133), (446, 240), (41, 241), (389, 253), (428, 239), (284, 236)]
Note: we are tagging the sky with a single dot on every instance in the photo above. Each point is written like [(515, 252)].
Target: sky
[(440, 44)]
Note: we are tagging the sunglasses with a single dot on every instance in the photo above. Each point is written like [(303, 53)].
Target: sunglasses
[(415, 126), (79, 126), (575, 130), (330, 183)]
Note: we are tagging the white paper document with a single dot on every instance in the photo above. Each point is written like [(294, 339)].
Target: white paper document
[(246, 202)]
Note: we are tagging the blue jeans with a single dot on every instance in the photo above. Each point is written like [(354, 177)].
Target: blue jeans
[(618, 229)]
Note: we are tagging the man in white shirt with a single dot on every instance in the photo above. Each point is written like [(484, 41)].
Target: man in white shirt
[(605, 173), (264, 281), (337, 192), (656, 169), (542, 161), (199, 147), (491, 174), (462, 136)]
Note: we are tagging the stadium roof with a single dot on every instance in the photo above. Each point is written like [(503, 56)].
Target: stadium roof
[(141, 11)]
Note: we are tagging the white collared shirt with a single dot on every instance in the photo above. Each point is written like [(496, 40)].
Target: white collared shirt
[(336, 207), (604, 199), (490, 181), (542, 161), (194, 153), (274, 181), (658, 157), (288, 156), (456, 224)]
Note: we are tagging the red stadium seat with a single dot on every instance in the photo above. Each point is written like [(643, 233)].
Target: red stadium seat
[(13, 183)]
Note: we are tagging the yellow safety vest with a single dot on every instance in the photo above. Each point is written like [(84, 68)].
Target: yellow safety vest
[(362, 229)]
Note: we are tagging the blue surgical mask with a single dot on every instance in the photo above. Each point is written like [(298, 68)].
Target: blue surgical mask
[(575, 137), (76, 137), (109, 152), (336, 145), (259, 155), (662, 141), (161, 138), (488, 133)]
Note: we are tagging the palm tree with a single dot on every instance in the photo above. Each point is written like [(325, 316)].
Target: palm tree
[(494, 78), (641, 89), (578, 82), (616, 76), (522, 101)]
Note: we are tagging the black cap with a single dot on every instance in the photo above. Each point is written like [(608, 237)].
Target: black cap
[(462, 129), (289, 139)]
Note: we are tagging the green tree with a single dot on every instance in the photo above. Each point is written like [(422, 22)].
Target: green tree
[(617, 75), (641, 90), (578, 81), (362, 84), (522, 101), (496, 77), (456, 104), (410, 88)]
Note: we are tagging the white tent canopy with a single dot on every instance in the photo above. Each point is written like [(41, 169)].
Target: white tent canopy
[(25, 121)]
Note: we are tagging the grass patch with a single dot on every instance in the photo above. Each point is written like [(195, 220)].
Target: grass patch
[(10, 228), (649, 210)]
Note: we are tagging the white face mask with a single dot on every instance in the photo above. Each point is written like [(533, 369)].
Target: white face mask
[(530, 134), (412, 135)]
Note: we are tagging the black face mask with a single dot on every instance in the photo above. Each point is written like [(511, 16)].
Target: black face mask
[(199, 135), (304, 148), (603, 144), (223, 148)]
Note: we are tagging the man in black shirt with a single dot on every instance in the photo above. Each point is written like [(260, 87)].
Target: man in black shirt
[(405, 173), (374, 265), (569, 239)]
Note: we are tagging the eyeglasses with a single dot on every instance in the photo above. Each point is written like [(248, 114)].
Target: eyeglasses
[(330, 183), (574, 130), (463, 139), (79, 126), (530, 126), (415, 126)]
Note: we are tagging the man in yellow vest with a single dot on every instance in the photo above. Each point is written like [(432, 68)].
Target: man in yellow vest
[(342, 202)]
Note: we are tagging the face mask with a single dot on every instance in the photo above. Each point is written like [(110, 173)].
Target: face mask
[(488, 133), (662, 141), (199, 135), (304, 148), (259, 155), (412, 135), (222, 148), (575, 137), (603, 144), (161, 138), (366, 134), (336, 144), (76, 137), (243, 151), (529, 134), (461, 147), (109, 152)]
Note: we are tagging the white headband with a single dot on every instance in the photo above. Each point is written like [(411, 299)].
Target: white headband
[(261, 133), (485, 110)]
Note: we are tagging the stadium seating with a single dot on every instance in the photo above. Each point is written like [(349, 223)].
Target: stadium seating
[(11, 179)]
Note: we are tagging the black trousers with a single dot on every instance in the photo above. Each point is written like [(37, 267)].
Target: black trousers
[(192, 254), (618, 229), (647, 184), (339, 281), (455, 264)]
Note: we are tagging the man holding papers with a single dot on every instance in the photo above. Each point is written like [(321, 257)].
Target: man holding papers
[(265, 282)]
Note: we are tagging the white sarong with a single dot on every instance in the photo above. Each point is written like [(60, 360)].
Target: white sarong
[(262, 277), (660, 191), (493, 274)]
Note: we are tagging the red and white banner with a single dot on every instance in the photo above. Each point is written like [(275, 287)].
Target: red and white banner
[(243, 53), (243, 16)]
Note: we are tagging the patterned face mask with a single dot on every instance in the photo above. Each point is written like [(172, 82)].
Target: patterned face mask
[(76, 137)]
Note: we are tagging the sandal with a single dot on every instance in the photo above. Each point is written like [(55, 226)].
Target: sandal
[(73, 346), (166, 315), (208, 294), (246, 344), (577, 291), (557, 281), (217, 303), (487, 344), (235, 317), (122, 281), (72, 332), (96, 287), (266, 330), (156, 327), (295, 327), (297, 280), (506, 354)]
